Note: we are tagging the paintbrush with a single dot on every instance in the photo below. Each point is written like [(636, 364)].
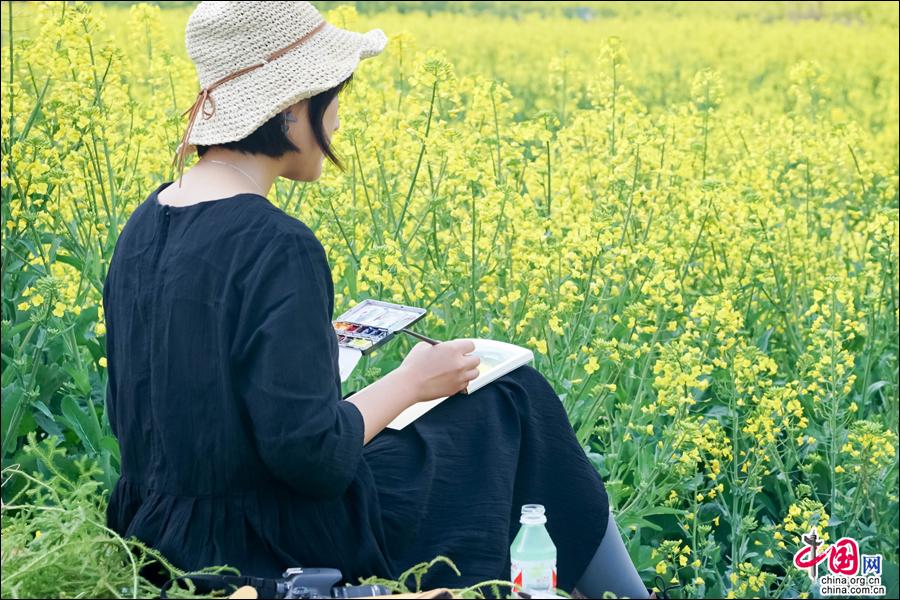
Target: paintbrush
[(420, 336)]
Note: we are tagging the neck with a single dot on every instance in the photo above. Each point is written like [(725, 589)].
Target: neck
[(263, 169)]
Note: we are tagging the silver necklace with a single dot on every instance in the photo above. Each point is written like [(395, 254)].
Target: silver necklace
[(241, 170)]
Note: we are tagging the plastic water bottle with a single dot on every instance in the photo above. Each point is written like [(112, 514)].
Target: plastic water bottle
[(533, 555)]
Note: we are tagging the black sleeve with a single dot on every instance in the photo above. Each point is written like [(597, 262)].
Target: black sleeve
[(110, 400), (286, 374)]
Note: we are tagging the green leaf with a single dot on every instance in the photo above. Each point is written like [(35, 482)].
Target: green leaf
[(110, 473), (85, 427), (17, 329), (79, 378), (43, 408), (625, 522), (70, 260), (763, 342), (84, 322), (874, 388), (767, 501), (889, 578), (111, 445), (11, 410), (48, 379), (9, 373), (26, 424), (35, 111), (645, 460), (51, 425), (663, 510)]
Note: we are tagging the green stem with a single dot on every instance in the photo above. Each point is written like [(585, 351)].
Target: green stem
[(412, 183), (472, 285)]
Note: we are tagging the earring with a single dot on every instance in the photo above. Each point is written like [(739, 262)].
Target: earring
[(288, 117)]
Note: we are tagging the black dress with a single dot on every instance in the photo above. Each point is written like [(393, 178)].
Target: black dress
[(237, 447)]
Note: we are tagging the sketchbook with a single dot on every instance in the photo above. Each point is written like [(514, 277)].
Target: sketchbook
[(497, 359)]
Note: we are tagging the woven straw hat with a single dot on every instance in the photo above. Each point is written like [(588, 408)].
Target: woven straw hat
[(255, 59)]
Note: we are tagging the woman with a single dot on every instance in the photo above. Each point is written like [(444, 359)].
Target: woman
[(224, 391)]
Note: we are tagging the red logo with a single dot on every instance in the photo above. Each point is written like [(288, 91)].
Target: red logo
[(843, 555), (844, 559)]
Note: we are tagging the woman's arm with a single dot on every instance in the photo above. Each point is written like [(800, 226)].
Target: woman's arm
[(427, 372), (381, 401)]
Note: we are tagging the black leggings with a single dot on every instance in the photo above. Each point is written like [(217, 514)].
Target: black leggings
[(611, 569)]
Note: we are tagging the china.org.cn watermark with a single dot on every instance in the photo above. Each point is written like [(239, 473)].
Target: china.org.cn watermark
[(849, 572)]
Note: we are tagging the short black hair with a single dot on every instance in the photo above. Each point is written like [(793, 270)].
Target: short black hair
[(269, 139)]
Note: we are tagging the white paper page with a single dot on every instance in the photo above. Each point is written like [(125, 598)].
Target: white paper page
[(414, 412), (347, 359)]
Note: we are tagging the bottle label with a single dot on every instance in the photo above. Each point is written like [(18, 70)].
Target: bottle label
[(533, 575)]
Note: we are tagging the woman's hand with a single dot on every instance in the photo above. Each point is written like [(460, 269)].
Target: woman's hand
[(442, 369)]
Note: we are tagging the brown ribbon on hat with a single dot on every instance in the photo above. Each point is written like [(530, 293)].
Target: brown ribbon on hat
[(203, 96)]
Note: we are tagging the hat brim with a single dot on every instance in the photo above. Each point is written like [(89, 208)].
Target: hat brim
[(246, 102)]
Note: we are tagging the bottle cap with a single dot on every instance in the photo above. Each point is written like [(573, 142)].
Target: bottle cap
[(533, 514), (538, 508), (533, 518)]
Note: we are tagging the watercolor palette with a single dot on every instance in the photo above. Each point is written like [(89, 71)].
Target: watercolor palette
[(371, 323)]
